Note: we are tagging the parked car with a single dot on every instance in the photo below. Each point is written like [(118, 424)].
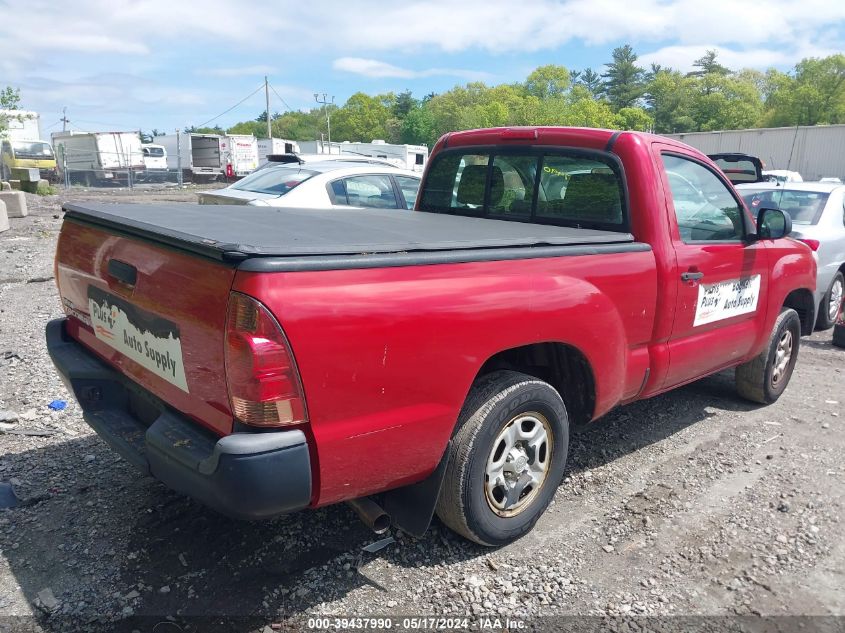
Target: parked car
[(818, 219), (321, 184), (839, 328), (439, 358), (782, 176), (739, 167)]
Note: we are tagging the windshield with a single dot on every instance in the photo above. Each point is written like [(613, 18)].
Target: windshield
[(276, 180), (32, 149), (154, 152), (804, 207)]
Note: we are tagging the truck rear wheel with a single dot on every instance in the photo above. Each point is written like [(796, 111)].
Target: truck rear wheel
[(507, 458), (764, 378)]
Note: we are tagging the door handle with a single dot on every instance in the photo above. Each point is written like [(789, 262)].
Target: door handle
[(690, 276)]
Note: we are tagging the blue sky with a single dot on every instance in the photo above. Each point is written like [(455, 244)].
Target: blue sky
[(143, 64)]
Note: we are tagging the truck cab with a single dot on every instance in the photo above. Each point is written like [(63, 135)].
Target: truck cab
[(18, 154), (269, 360)]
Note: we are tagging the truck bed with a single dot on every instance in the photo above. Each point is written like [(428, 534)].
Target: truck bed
[(298, 239)]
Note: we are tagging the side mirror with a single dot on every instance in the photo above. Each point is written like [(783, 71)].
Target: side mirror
[(773, 224)]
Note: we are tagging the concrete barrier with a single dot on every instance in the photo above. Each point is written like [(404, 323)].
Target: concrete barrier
[(5, 186), (4, 218), (15, 203)]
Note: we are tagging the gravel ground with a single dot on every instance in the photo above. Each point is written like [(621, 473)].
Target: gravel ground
[(692, 503)]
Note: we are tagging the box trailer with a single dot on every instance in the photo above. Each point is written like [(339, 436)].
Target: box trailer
[(199, 156), (267, 146), (413, 157), (87, 157), (21, 125), (241, 153)]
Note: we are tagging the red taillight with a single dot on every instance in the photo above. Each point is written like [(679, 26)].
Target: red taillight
[(813, 244), (264, 385)]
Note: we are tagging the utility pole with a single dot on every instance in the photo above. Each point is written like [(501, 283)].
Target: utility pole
[(64, 119), (325, 105), (179, 157), (267, 100)]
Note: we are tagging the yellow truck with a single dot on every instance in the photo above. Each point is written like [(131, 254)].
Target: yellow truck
[(22, 151)]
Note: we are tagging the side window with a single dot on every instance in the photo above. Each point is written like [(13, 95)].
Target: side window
[(456, 184), (705, 209), (410, 187), (372, 191), (337, 192)]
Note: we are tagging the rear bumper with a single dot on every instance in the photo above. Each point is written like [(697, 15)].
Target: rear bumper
[(243, 475)]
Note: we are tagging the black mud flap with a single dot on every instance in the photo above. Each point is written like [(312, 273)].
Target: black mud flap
[(412, 507)]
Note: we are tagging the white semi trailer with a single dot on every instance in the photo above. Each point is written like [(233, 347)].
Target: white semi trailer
[(201, 157), (87, 157)]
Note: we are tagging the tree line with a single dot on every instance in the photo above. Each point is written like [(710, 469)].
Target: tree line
[(622, 95)]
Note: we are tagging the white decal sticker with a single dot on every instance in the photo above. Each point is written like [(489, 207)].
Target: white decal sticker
[(726, 299), (161, 355)]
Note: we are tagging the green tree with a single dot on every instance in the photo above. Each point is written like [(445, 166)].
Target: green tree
[(205, 130), (257, 128), (548, 81), (707, 64), (362, 118), (403, 104), (623, 83), (10, 98), (814, 94), (591, 80)]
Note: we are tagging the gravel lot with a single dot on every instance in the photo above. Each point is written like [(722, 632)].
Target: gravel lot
[(691, 503)]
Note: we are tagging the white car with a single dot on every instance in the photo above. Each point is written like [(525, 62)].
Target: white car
[(782, 176), (818, 219), (320, 184)]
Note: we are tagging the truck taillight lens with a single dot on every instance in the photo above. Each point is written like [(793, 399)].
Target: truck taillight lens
[(263, 381)]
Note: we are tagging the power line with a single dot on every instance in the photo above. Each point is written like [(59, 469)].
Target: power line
[(233, 107), (285, 103)]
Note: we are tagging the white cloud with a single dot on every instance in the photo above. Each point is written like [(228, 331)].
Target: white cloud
[(347, 27), (378, 69)]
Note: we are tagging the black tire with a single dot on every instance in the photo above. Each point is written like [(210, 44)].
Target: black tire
[(758, 380), (824, 321), (839, 335), (494, 403)]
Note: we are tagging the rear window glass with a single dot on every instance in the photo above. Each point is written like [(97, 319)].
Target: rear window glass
[(739, 170), (275, 180), (804, 207), (560, 187)]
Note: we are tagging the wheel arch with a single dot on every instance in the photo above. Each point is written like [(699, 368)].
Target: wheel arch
[(801, 300), (563, 366)]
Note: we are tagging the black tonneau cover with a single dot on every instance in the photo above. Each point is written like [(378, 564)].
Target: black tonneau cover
[(235, 233)]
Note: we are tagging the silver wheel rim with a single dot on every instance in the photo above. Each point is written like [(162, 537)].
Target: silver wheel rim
[(518, 463), (835, 299), (783, 355)]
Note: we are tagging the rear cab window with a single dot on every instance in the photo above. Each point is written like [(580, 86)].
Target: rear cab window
[(561, 186)]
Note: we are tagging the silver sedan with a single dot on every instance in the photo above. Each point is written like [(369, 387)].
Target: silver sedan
[(817, 210)]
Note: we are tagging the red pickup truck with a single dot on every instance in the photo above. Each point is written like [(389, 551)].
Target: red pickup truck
[(265, 360)]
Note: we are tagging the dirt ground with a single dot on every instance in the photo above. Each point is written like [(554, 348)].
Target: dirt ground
[(693, 503)]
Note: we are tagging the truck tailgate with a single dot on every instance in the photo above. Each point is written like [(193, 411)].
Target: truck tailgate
[(156, 314)]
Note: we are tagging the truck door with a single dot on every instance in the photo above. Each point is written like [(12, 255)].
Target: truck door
[(722, 276)]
